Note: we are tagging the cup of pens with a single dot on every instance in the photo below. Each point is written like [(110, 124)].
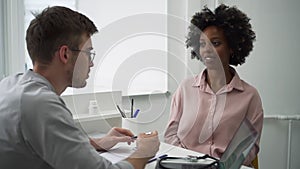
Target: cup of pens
[(132, 124)]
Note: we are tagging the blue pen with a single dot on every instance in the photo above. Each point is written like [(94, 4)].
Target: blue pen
[(136, 113), (155, 158)]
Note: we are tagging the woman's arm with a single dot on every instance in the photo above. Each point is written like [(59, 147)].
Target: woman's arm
[(170, 135), (255, 116)]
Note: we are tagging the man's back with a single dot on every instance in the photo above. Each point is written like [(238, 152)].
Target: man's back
[(37, 130), (12, 143)]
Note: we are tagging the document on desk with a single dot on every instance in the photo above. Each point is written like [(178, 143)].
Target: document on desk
[(119, 152), (122, 150)]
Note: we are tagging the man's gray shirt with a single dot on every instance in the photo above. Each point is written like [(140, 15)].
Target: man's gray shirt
[(37, 130)]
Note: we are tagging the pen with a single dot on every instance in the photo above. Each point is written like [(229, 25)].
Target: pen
[(148, 133), (131, 115), (122, 113), (155, 158), (136, 113)]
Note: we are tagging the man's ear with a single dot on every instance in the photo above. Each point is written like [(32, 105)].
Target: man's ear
[(64, 54)]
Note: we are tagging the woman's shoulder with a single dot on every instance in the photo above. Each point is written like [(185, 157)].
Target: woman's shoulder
[(249, 88), (190, 79), (242, 85), (190, 82)]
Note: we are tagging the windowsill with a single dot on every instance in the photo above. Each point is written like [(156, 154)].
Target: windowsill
[(123, 95), (144, 93), (92, 117), (73, 92)]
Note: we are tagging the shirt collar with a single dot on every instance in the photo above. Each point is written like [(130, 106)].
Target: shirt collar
[(235, 83), (31, 75)]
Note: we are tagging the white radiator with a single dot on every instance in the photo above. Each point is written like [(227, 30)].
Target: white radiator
[(290, 119)]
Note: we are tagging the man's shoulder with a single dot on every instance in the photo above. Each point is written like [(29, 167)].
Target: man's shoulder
[(35, 93), (10, 81), (38, 98), (27, 85), (19, 89)]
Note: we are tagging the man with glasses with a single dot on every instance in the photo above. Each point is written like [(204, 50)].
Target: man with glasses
[(37, 130), (89, 53)]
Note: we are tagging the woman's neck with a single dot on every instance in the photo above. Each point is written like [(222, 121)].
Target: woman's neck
[(218, 78)]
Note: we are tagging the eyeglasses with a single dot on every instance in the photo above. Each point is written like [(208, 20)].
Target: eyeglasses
[(88, 53)]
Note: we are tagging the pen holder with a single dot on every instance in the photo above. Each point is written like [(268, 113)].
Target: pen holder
[(133, 125)]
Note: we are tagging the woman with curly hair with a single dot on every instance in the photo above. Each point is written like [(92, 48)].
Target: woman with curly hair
[(207, 109)]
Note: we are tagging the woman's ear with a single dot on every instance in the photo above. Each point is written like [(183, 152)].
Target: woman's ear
[(64, 54)]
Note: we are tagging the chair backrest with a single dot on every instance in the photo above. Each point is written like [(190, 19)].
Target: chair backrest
[(255, 162)]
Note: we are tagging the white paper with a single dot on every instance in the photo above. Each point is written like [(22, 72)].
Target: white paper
[(119, 152)]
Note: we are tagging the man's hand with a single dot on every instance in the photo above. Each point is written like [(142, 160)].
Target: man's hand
[(147, 147), (114, 136)]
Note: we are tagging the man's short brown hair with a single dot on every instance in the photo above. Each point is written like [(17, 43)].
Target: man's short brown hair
[(54, 27)]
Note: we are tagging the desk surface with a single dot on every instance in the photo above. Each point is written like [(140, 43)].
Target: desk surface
[(176, 151), (122, 151)]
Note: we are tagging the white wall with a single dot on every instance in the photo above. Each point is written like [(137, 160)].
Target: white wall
[(273, 65), (131, 46), (2, 70), (155, 108), (13, 36), (275, 144), (273, 69)]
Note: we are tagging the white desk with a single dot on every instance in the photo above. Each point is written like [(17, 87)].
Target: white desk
[(176, 151), (121, 151)]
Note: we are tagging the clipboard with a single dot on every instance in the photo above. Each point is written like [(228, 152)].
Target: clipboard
[(190, 162), (233, 157)]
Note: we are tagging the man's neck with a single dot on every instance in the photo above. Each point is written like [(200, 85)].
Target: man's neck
[(53, 76)]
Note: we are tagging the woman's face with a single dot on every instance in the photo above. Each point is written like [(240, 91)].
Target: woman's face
[(214, 48)]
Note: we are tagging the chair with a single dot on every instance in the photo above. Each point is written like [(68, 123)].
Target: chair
[(255, 162)]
